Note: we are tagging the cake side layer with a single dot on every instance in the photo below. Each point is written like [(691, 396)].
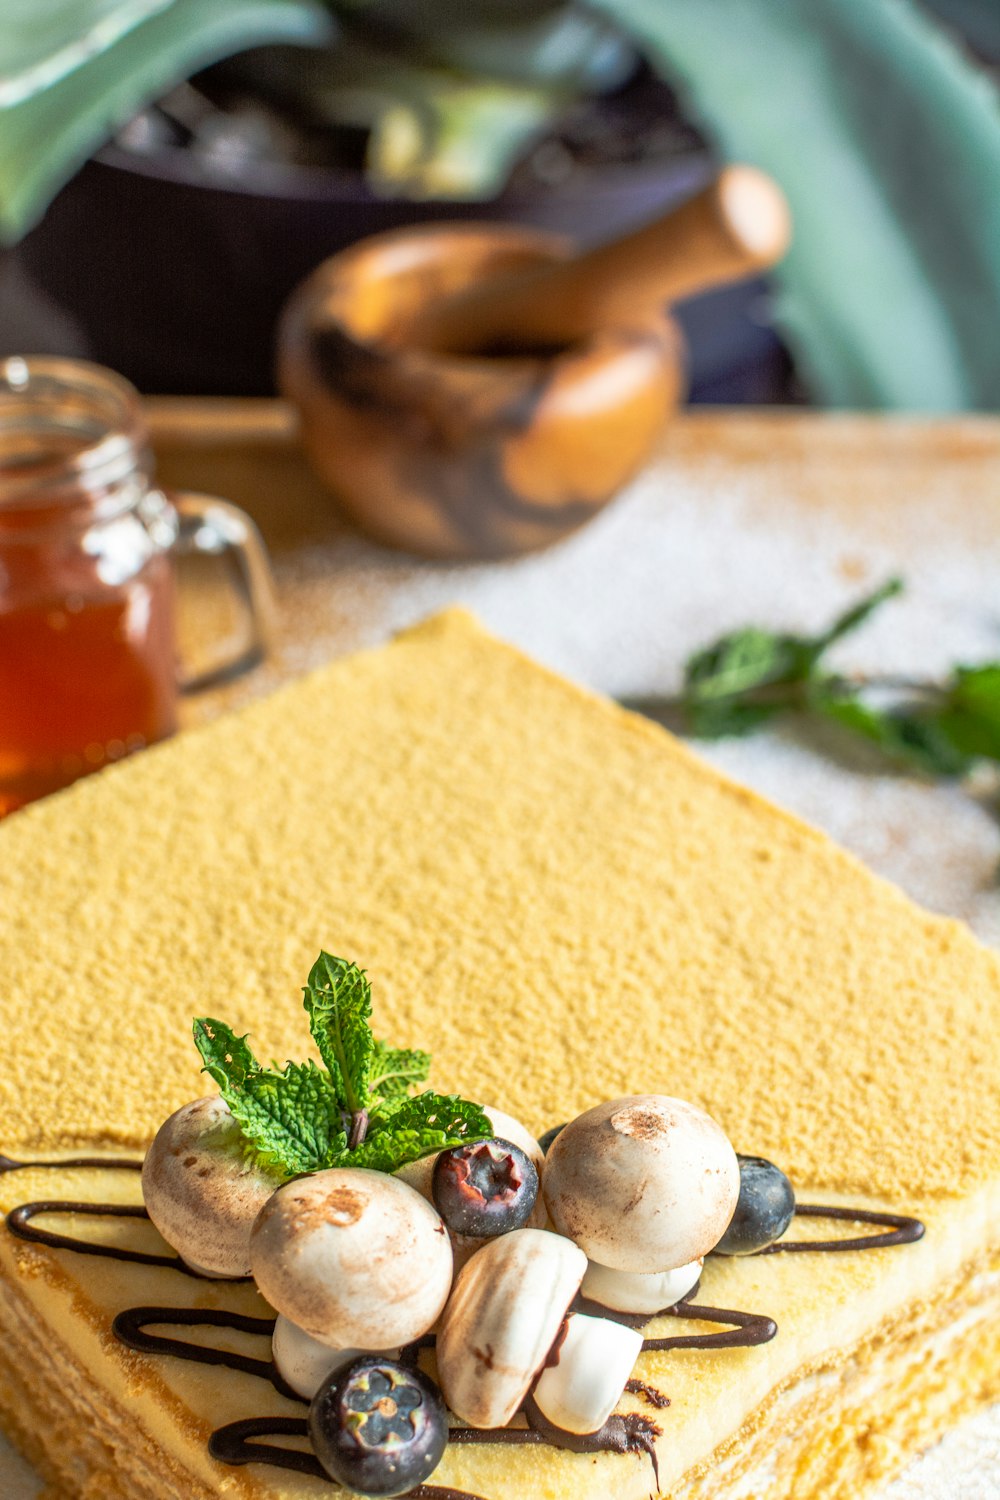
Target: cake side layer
[(826, 1306), (834, 1425), (840, 1432), (82, 1445), (560, 900)]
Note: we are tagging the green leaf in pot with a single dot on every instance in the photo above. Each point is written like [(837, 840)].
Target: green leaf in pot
[(874, 295), (96, 62)]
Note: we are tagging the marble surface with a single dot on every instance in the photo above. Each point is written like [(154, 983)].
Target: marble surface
[(764, 518)]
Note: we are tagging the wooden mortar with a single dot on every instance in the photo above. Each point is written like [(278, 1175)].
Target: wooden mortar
[(476, 391)]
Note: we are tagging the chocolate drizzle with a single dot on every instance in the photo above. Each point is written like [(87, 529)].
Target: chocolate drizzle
[(234, 1445), (649, 1393), (627, 1432), (902, 1231), (746, 1330), (749, 1330), (237, 1443), (113, 1163), (19, 1222), (129, 1328)]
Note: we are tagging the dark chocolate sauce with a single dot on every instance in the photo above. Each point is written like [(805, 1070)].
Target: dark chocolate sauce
[(19, 1222), (622, 1433), (552, 1358), (902, 1231), (410, 1353), (129, 1328), (749, 1330), (114, 1163), (235, 1444), (594, 1309), (649, 1393)]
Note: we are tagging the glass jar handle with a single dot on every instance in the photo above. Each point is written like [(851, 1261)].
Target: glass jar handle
[(214, 528)]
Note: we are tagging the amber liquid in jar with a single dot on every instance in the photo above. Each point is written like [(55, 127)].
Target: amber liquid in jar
[(87, 668), (84, 681)]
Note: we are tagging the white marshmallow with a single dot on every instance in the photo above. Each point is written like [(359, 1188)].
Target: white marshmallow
[(639, 1291), (304, 1363), (581, 1389)]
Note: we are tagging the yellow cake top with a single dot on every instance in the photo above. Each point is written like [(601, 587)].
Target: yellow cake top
[(559, 900)]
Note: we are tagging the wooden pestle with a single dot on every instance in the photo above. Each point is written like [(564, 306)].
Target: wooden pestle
[(738, 224)]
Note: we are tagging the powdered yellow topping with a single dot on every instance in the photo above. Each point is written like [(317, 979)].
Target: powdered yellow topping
[(558, 900)]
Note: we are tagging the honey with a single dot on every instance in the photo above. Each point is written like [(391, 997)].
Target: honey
[(86, 677), (87, 671)]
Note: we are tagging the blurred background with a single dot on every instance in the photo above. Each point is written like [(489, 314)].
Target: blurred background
[(170, 169)]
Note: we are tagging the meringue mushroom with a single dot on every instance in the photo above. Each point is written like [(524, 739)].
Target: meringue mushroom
[(203, 1190), (303, 1362), (639, 1291), (645, 1183), (353, 1257), (501, 1321), (585, 1376)]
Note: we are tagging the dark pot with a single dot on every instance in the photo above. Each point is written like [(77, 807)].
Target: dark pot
[(176, 279)]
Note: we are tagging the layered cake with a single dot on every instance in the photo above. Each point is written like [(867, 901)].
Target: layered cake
[(582, 922)]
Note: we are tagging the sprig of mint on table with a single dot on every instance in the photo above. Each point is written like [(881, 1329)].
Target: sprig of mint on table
[(753, 676), (354, 1111)]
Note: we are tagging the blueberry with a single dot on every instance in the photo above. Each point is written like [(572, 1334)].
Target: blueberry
[(545, 1141), (378, 1427), (484, 1189), (764, 1209)]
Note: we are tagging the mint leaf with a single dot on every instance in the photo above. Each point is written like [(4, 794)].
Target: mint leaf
[(338, 1001), (292, 1117), (402, 1130), (915, 738), (355, 1112), (394, 1070), (971, 713), (725, 717), (225, 1055), (856, 615), (743, 661)]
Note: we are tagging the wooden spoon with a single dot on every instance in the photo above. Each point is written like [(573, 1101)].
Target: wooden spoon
[(737, 225)]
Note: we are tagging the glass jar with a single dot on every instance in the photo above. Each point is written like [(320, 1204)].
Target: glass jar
[(88, 669)]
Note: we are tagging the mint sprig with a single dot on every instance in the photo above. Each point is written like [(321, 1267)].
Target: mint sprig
[(753, 676), (357, 1109)]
